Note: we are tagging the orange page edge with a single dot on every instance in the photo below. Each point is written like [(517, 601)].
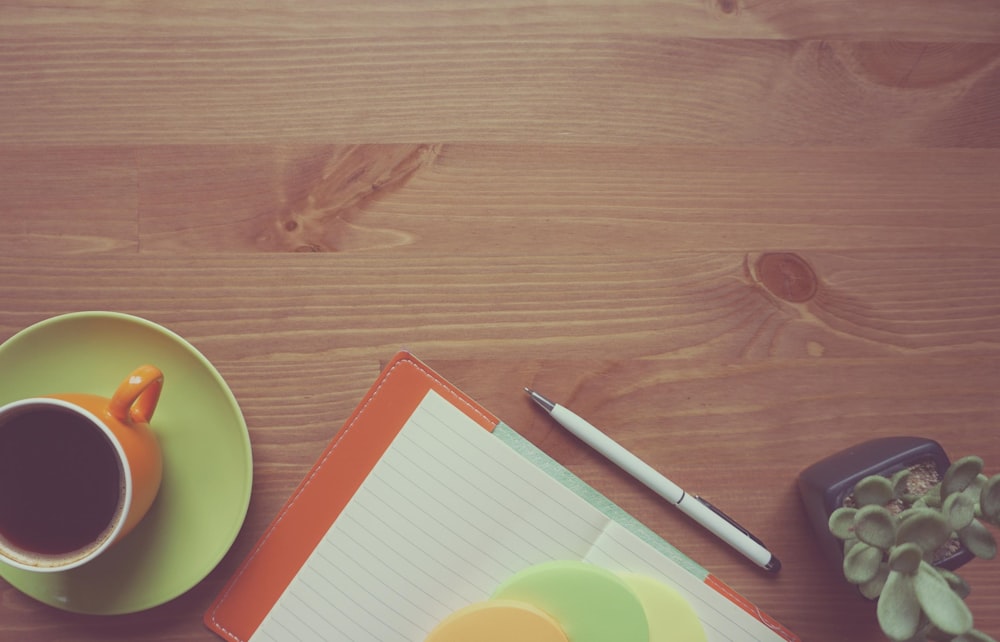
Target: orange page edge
[(730, 594)]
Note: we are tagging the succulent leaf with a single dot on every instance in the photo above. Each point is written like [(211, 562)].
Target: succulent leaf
[(959, 509), (942, 606), (898, 609), (974, 489), (875, 525), (932, 497), (898, 482), (906, 558), (979, 540), (861, 563), (926, 528), (989, 500), (960, 474), (955, 581), (841, 522), (873, 587), (873, 490)]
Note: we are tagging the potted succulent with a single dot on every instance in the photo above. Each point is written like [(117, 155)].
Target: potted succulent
[(827, 485), (900, 540)]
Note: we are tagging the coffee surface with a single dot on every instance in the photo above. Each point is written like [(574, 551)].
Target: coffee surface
[(60, 482)]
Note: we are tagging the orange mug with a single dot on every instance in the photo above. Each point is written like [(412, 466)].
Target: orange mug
[(77, 472)]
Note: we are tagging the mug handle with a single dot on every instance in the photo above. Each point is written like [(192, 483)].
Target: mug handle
[(137, 395)]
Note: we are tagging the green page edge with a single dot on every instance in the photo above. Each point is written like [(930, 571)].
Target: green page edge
[(587, 492)]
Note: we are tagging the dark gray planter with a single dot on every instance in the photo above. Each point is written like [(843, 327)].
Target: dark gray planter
[(826, 484)]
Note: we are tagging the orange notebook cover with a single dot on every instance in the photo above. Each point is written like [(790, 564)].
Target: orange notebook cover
[(307, 521)]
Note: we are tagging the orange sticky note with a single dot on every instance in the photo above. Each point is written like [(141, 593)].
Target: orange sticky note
[(498, 621)]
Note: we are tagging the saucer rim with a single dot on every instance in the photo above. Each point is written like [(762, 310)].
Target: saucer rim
[(156, 598)]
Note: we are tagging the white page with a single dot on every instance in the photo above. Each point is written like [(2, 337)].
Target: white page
[(446, 515)]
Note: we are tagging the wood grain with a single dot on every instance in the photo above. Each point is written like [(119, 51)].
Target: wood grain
[(881, 20), (739, 235), (626, 89), (433, 198), (710, 305)]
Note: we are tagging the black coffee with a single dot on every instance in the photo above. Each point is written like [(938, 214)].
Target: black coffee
[(60, 481)]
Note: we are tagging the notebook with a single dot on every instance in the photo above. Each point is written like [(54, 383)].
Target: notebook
[(424, 503)]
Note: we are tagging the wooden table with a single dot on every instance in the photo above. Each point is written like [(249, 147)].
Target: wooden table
[(737, 235)]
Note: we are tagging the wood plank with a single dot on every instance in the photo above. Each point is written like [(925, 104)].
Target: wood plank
[(922, 20), (434, 198), (717, 306), (405, 198), (618, 89)]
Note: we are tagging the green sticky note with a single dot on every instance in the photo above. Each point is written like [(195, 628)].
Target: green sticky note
[(590, 603)]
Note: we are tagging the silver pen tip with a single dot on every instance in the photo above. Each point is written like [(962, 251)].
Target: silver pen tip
[(540, 400)]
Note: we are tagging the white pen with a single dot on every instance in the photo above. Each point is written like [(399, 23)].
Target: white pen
[(693, 506)]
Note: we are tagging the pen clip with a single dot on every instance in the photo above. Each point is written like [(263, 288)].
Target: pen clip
[(728, 519)]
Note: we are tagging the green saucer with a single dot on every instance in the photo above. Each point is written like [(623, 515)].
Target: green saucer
[(208, 466)]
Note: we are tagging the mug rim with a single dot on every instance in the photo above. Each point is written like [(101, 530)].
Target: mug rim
[(65, 561)]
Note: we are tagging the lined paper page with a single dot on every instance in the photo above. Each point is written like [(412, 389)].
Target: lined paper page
[(447, 514)]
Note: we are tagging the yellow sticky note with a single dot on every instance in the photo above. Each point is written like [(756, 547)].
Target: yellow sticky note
[(670, 617)]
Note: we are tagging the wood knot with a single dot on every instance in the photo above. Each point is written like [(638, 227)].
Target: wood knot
[(787, 276), (728, 6), (723, 9), (924, 65)]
